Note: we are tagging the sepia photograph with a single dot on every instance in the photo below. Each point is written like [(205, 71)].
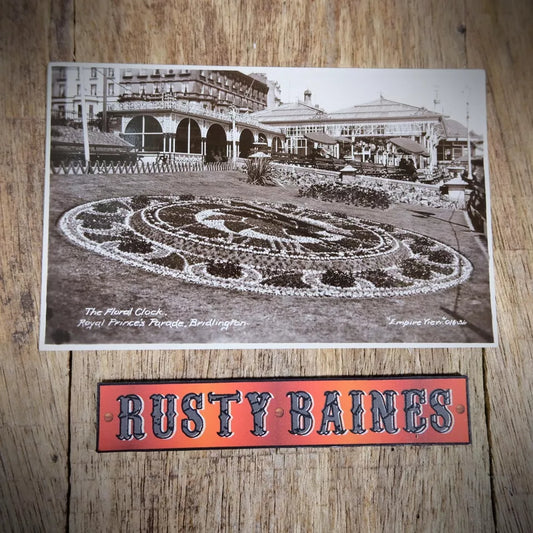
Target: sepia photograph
[(223, 206)]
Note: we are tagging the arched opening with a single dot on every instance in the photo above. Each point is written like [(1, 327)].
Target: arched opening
[(277, 145), (188, 137), (145, 133), (246, 141), (216, 144)]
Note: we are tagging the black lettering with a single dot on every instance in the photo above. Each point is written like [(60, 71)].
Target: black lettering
[(157, 415), (131, 420), (357, 412), (413, 410), (440, 410), (224, 416), (301, 417), (331, 414), (258, 403), (193, 417), (383, 410)]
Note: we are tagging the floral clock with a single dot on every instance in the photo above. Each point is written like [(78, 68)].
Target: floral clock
[(266, 248)]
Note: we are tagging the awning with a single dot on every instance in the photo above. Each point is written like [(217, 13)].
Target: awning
[(322, 138), (409, 146), (343, 139)]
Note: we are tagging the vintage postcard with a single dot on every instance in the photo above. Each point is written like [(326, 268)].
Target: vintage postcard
[(223, 207)]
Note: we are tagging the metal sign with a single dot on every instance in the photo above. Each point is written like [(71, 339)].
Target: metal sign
[(177, 415)]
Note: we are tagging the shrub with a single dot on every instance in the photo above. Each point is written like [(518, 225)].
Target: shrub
[(442, 269), (441, 256), (140, 202), (289, 279), (258, 171), (381, 279), (338, 278), (173, 261), (422, 241), (108, 207), (224, 269), (416, 269), (386, 227), (134, 246), (421, 249), (93, 221)]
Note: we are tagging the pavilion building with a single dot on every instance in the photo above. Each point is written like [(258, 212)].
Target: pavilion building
[(215, 114), (380, 131)]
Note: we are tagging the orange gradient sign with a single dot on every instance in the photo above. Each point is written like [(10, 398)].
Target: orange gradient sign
[(178, 415)]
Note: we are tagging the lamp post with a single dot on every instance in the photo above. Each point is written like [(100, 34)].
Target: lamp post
[(469, 154), (233, 111), (86, 151)]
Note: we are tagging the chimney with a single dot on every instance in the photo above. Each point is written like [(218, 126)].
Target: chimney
[(307, 97)]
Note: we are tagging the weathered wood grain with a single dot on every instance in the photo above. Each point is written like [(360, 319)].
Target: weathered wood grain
[(457, 488), (279, 490), (509, 371), (502, 42), (33, 388)]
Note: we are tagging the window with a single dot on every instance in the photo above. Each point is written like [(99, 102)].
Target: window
[(61, 111), (93, 89), (78, 90), (93, 72), (79, 111), (91, 111), (111, 89), (111, 72), (62, 90)]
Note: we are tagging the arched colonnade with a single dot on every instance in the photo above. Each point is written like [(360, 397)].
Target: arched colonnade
[(187, 135)]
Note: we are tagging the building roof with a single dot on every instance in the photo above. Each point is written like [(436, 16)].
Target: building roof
[(383, 109), (291, 112), (322, 138), (455, 130), (66, 135), (409, 146)]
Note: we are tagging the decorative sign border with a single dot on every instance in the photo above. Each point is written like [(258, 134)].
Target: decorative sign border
[(210, 414)]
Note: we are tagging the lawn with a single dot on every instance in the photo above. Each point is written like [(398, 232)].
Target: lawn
[(183, 312)]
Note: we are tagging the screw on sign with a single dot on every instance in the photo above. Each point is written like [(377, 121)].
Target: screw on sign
[(320, 412)]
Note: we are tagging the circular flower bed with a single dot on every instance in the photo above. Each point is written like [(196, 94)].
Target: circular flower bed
[(255, 246)]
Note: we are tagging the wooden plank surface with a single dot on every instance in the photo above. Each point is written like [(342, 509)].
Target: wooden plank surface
[(50, 476)]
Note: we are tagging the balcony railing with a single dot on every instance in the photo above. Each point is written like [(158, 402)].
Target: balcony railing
[(185, 106)]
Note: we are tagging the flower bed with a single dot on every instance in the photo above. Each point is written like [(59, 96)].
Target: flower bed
[(265, 248), (397, 192), (347, 194)]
